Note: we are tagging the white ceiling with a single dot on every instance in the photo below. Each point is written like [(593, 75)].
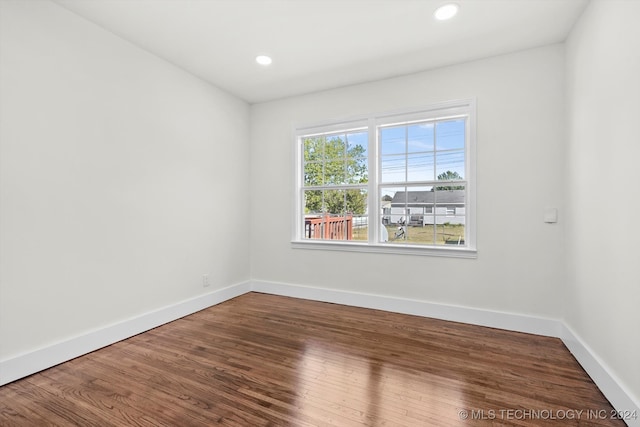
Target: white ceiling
[(323, 44)]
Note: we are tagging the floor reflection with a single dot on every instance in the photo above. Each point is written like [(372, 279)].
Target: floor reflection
[(343, 388)]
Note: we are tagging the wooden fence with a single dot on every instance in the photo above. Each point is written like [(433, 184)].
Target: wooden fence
[(329, 227)]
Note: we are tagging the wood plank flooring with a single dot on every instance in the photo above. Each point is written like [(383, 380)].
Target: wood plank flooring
[(263, 360)]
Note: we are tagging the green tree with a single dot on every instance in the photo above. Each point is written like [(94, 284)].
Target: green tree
[(332, 161), (450, 176)]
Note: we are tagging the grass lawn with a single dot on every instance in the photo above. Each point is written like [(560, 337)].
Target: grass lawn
[(422, 235)]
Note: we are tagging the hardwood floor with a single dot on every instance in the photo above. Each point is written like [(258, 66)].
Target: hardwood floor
[(263, 360)]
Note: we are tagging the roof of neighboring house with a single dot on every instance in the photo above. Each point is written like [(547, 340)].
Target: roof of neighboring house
[(452, 197)]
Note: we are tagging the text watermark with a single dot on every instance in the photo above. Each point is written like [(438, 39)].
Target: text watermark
[(546, 414)]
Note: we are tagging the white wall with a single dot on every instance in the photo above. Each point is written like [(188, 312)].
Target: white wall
[(520, 108), (603, 284), (117, 174)]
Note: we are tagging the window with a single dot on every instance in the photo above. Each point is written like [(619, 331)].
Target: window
[(395, 182), (335, 184)]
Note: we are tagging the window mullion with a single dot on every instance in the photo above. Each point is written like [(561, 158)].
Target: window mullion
[(373, 202), (435, 178), (406, 153)]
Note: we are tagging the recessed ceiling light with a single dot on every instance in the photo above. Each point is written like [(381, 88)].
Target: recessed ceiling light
[(263, 60), (446, 11)]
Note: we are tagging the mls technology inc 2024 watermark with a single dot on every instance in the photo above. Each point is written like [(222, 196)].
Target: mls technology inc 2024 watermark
[(545, 414)]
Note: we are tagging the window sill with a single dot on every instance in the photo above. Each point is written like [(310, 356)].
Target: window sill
[(397, 249)]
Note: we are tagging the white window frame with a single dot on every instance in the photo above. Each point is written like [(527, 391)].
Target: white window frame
[(445, 110)]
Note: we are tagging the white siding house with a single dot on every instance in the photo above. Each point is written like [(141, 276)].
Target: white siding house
[(426, 207)]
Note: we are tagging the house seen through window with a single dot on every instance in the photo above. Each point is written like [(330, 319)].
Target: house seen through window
[(395, 180)]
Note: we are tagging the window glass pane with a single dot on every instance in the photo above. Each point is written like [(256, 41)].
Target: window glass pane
[(450, 134), (313, 148), (357, 144), (312, 174), (393, 168), (450, 214), (334, 172), (336, 214), (333, 202), (312, 202), (356, 201), (386, 216), (393, 140), (333, 221), (313, 160), (392, 203), (448, 233), (335, 159), (357, 213), (409, 218), (420, 215), (420, 137), (450, 165), (420, 167), (312, 221), (335, 147), (357, 171)]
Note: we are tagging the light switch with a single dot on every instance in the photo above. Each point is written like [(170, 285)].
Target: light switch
[(550, 215)]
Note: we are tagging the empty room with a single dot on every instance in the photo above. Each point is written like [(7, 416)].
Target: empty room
[(319, 212)]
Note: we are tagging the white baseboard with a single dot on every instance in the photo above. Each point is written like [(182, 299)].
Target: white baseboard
[(608, 383), (493, 319), (619, 398), (29, 363)]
